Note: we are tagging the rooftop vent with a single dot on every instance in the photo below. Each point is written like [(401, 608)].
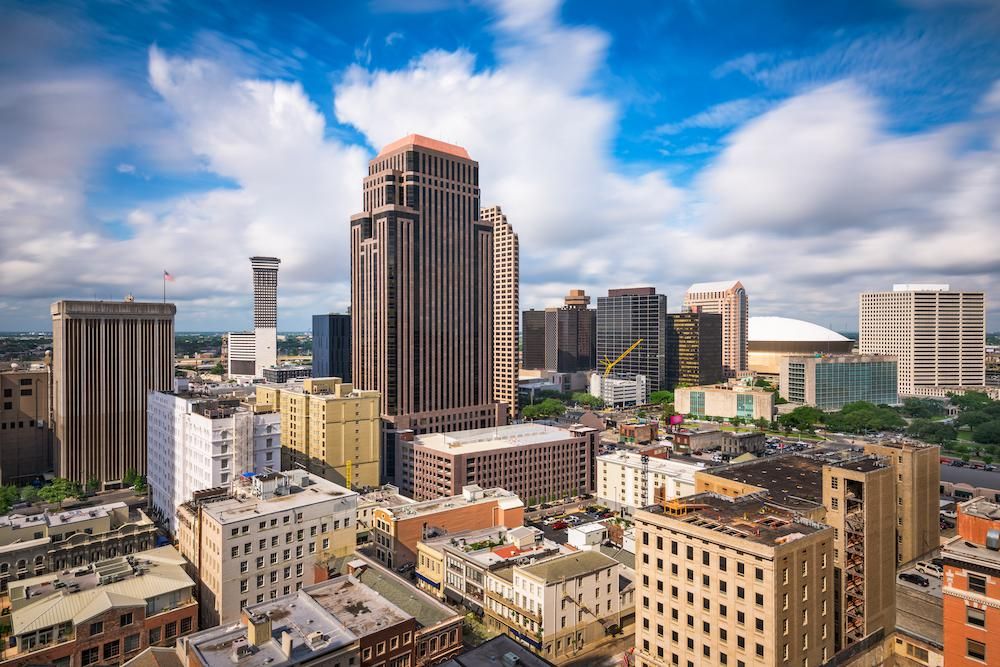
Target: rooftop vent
[(993, 539)]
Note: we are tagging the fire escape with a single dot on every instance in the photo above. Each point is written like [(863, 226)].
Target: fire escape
[(854, 564)]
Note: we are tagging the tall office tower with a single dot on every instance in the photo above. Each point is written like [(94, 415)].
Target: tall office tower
[(624, 317), (732, 581), (107, 357), (506, 282), (422, 292), (562, 339), (694, 349), (937, 336), (25, 431), (533, 339), (729, 299), (265, 312), (332, 346)]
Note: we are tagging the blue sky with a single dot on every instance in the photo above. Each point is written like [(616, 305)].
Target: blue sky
[(811, 150)]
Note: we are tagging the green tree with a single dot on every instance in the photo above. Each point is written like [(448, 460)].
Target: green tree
[(29, 494), (140, 485), (970, 400), (861, 416), (93, 484), (588, 400), (8, 496), (662, 396), (987, 459), (931, 431), (58, 490), (987, 433), (131, 477), (803, 418), (761, 423), (922, 408), (218, 369), (549, 407)]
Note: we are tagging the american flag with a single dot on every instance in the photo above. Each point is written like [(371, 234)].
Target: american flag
[(167, 276)]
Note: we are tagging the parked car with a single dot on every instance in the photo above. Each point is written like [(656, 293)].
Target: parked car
[(949, 514), (989, 468), (560, 525), (915, 579), (930, 569)]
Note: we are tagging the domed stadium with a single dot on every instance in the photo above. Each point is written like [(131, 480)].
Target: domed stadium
[(771, 338)]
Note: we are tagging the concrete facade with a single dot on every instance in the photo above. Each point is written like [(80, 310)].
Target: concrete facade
[(107, 357), (937, 335), (329, 428), (25, 429), (506, 304), (732, 581), (621, 486), (534, 461), (200, 442), (262, 540), (728, 401), (729, 299)]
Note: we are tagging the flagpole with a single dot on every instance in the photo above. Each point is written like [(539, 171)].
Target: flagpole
[(164, 285)]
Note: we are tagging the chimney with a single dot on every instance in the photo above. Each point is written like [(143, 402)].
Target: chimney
[(258, 628), (286, 644), (356, 567)]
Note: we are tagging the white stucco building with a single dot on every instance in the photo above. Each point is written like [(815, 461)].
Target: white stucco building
[(197, 443), (620, 484)]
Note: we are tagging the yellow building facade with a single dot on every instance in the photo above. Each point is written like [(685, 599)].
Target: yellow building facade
[(329, 428)]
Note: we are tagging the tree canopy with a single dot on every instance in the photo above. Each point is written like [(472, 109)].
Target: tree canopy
[(589, 400), (862, 416), (803, 418), (931, 431), (549, 407), (922, 408), (987, 433)]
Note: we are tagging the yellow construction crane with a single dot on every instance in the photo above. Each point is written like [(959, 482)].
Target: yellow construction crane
[(608, 365)]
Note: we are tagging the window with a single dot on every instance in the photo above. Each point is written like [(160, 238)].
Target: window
[(977, 584), (975, 650), (90, 656), (96, 628), (975, 617), (186, 625), (834, 482), (758, 574), (154, 636), (132, 643), (112, 649), (126, 619), (171, 629)]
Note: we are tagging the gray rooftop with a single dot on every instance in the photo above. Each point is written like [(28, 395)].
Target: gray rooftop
[(492, 653)]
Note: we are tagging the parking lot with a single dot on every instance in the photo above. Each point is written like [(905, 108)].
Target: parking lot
[(934, 583), (554, 527)]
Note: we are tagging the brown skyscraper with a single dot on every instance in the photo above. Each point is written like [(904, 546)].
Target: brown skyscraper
[(506, 280), (422, 291), (107, 357)]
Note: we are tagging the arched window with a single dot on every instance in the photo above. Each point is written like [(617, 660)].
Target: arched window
[(22, 564)]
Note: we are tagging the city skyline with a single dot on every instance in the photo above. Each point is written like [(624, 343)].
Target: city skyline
[(188, 143)]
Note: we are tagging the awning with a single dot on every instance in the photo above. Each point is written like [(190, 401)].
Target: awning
[(427, 581), (451, 595)]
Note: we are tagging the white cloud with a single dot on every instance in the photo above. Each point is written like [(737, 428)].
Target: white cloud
[(722, 115), (125, 168)]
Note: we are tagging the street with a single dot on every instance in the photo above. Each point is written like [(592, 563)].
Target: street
[(608, 655)]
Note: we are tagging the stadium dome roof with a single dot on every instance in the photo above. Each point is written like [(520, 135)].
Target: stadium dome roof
[(788, 329)]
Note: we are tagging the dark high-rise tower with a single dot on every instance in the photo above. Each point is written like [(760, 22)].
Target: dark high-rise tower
[(422, 290), (625, 316), (694, 349), (561, 339), (331, 346)]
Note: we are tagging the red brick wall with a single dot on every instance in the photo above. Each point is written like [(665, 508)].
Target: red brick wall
[(957, 630)]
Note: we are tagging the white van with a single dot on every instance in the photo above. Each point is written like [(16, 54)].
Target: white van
[(930, 569)]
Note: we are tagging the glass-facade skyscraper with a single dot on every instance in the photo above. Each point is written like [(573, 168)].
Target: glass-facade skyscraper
[(829, 382), (628, 315), (331, 346)]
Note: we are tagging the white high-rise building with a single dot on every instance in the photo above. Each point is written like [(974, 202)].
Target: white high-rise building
[(937, 335), (506, 279), (249, 353), (199, 442)]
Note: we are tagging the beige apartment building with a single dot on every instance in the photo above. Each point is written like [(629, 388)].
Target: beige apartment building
[(506, 304), (107, 357), (728, 298), (537, 462), (856, 496), (918, 480), (25, 430), (561, 606), (732, 581), (724, 400), (329, 428), (263, 539), (937, 335)]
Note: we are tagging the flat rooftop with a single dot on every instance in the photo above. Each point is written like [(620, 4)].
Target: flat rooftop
[(358, 607), (680, 469), (962, 551), (569, 566), (751, 518), (387, 496), (982, 508), (314, 631), (489, 546), (61, 519), (499, 437), (919, 613), (491, 654), (427, 611), (242, 507), (507, 499)]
